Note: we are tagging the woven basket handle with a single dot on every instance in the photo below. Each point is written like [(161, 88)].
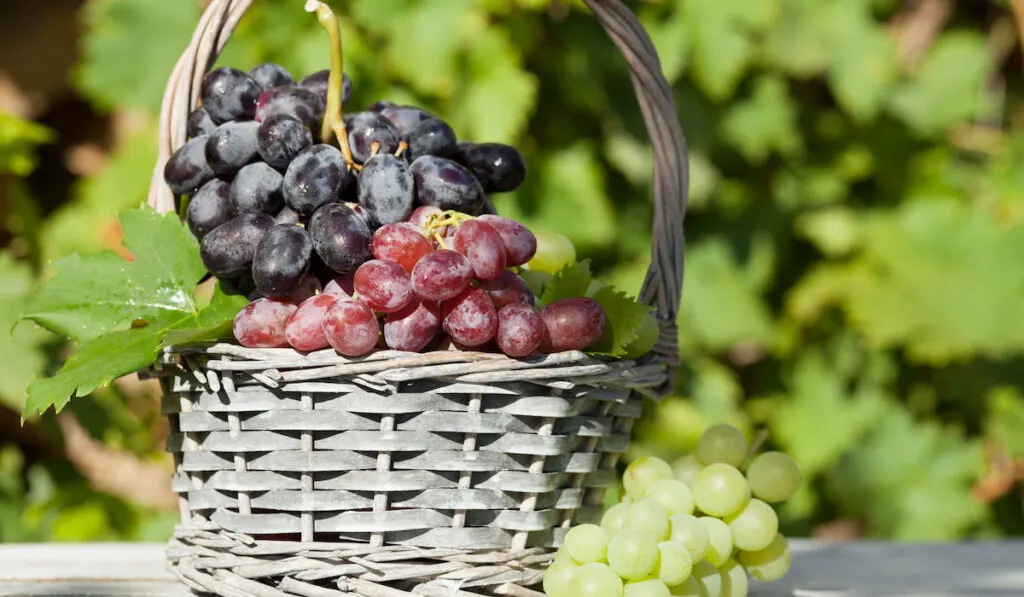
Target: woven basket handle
[(663, 285)]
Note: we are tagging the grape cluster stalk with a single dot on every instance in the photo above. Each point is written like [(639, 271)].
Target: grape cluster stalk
[(697, 528), (367, 229)]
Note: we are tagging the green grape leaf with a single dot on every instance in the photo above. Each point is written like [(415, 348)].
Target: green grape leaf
[(724, 40), (570, 281), (20, 351), (94, 294), (764, 123), (623, 315), (424, 44), (864, 65), (18, 140), (932, 101), (798, 43), (1005, 420), (129, 49), (911, 479)]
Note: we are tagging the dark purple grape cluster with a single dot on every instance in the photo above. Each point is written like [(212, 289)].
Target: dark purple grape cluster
[(281, 212)]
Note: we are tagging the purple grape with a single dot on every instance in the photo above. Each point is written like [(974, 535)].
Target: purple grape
[(187, 169), (340, 237), (315, 178), (432, 137), (287, 215), (200, 123), (380, 106), (499, 168), (281, 260), (297, 102), (281, 138), (367, 128), (209, 208), (228, 250), (257, 187), (230, 94), (405, 119), (270, 75), (232, 146), (318, 83), (447, 185), (385, 190)]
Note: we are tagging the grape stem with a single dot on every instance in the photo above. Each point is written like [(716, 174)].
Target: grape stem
[(334, 123), (401, 149), (755, 447)]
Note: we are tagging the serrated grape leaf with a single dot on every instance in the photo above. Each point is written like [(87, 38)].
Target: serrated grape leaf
[(129, 48), (570, 281), (20, 351), (623, 316), (911, 479), (764, 123), (932, 100), (94, 294)]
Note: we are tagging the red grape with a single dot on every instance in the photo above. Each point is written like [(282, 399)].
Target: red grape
[(520, 330), (351, 328), (441, 275), (470, 318), (341, 285), (403, 243), (384, 285), (483, 246), (413, 327), (305, 329), (508, 288), (520, 243), (420, 216), (573, 323), (261, 323), (309, 286)]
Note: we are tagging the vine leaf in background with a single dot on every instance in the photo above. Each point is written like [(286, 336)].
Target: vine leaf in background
[(122, 312), (19, 352)]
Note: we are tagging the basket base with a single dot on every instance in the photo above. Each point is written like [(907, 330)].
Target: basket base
[(232, 565)]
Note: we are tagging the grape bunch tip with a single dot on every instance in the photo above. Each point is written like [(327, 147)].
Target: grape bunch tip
[(701, 526), (394, 217)]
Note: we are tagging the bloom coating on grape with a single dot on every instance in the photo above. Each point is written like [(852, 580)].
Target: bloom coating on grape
[(228, 250), (520, 243), (305, 330), (297, 102), (384, 285), (200, 123), (315, 178), (385, 190), (470, 318), (499, 168), (402, 243), (270, 75), (433, 136), (441, 275), (343, 285), (262, 323), (282, 260), (520, 330), (187, 169), (280, 138), (405, 119), (508, 289), (232, 146), (351, 328), (229, 94), (286, 215), (573, 323), (257, 187), (367, 129), (340, 237), (447, 185), (209, 208), (412, 328), (483, 247)]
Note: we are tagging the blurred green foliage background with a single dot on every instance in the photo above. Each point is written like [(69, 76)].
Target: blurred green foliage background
[(855, 241)]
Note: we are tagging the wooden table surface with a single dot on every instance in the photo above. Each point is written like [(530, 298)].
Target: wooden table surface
[(860, 569)]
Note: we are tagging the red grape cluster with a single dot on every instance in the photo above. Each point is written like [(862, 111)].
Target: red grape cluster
[(438, 280)]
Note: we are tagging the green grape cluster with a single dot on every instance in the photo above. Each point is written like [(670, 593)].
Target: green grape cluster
[(696, 528)]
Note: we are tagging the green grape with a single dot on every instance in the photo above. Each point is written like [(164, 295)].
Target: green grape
[(722, 443), (648, 516), (586, 543), (595, 580), (674, 563), (709, 578), (646, 588), (692, 533), (719, 540), (768, 564), (632, 554), (720, 490), (642, 472), (614, 519), (647, 337), (754, 526), (691, 587), (554, 252), (685, 469), (774, 477), (558, 576), (673, 495), (734, 579)]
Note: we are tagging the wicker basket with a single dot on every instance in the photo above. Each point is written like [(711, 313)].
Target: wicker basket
[(446, 473)]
